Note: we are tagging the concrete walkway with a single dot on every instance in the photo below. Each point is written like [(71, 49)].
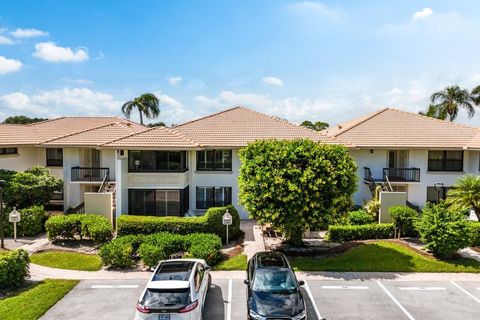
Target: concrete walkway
[(253, 242), (31, 244)]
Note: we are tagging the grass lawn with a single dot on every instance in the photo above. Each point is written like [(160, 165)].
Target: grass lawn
[(32, 302), (238, 262), (384, 256), (67, 260)]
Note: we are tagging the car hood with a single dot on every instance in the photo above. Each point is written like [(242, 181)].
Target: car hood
[(277, 304)]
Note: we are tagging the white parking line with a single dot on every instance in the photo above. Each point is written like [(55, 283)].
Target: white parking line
[(310, 296), (229, 300), (346, 287), (396, 301), (120, 286), (465, 291), (422, 288)]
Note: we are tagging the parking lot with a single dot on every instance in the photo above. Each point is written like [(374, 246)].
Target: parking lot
[(335, 299)]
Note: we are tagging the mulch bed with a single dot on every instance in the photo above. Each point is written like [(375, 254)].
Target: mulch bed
[(82, 246)]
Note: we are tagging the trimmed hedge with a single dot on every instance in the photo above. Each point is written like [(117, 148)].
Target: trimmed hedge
[(94, 227), (475, 233), (123, 251), (31, 224), (360, 217), (211, 222), (362, 232), (14, 268)]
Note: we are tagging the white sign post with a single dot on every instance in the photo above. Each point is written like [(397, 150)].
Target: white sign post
[(227, 220), (14, 217)]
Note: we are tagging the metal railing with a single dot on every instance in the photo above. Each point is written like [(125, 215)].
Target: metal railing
[(402, 174), (90, 174)]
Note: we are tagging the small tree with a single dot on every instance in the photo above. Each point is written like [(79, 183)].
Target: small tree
[(443, 230), (465, 194), (295, 184), (404, 220), (34, 186)]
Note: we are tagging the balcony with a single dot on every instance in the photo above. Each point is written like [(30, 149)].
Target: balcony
[(84, 174), (401, 174)]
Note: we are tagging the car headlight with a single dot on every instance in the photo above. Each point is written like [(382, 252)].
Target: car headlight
[(302, 315), (255, 315)]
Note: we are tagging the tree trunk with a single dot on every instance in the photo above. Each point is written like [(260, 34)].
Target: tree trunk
[(141, 117), (477, 212), (295, 237)]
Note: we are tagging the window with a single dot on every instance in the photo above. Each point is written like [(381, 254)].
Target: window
[(57, 196), (54, 157), (445, 160), (433, 195), (157, 161), (211, 160), (213, 197), (8, 151), (158, 202)]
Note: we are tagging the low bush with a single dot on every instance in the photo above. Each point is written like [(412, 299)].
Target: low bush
[(360, 217), (94, 227), (31, 224), (211, 222), (474, 233), (443, 230), (123, 251), (14, 268), (404, 220), (363, 232)]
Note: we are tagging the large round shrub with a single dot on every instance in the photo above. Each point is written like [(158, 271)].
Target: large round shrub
[(295, 184), (31, 224), (14, 268), (95, 227), (443, 230), (404, 220)]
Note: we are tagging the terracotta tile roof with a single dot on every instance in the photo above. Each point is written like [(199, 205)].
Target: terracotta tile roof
[(13, 134), (157, 138), (238, 126), (391, 128), (98, 135)]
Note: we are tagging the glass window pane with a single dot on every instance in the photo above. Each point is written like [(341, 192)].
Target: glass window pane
[(162, 160), (134, 160), (174, 160), (173, 202), (161, 203), (147, 160)]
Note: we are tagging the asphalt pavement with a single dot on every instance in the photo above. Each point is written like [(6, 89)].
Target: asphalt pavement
[(328, 299)]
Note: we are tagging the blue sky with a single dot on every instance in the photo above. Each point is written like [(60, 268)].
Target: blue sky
[(328, 60)]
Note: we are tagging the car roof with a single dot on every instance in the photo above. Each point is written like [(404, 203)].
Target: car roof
[(269, 259)]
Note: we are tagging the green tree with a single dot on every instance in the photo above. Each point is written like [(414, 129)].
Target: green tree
[(296, 184), (22, 120), (317, 126), (451, 100), (146, 105), (476, 95), (34, 186), (156, 124), (465, 194), (433, 112), (443, 230)]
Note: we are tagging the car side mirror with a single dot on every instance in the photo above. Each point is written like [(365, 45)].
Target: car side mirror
[(301, 283), (246, 282)]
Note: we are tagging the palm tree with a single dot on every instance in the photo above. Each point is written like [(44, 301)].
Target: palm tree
[(476, 95), (146, 104), (451, 99), (433, 112), (465, 194)]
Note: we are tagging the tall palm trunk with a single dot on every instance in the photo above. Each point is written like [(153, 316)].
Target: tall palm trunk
[(141, 117)]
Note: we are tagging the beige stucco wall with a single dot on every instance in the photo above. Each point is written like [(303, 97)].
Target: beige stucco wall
[(390, 199), (99, 203)]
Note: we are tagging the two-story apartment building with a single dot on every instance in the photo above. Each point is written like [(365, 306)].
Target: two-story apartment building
[(412, 152), (186, 169)]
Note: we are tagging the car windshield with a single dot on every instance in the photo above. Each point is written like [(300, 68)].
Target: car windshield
[(274, 279), (166, 298)]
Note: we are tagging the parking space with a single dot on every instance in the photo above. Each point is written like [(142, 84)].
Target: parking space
[(336, 299)]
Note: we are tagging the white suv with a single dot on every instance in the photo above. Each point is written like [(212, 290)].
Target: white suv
[(177, 290)]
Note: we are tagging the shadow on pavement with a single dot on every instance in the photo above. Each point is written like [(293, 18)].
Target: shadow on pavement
[(215, 305)]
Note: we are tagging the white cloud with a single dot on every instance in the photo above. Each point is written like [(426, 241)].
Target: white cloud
[(49, 51), (425, 12), (74, 101), (28, 33), (5, 41), (79, 81), (314, 8), (273, 81), (9, 65), (174, 80)]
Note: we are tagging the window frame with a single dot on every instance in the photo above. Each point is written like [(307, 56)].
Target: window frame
[(443, 194), (215, 165), (212, 202), (444, 161), (3, 151), (183, 205), (54, 162), (156, 162)]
